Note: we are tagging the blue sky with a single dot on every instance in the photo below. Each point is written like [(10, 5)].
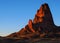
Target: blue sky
[(15, 14)]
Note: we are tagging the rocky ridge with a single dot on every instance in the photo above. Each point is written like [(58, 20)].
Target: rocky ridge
[(41, 27)]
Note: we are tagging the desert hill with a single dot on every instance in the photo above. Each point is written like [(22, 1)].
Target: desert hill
[(41, 28)]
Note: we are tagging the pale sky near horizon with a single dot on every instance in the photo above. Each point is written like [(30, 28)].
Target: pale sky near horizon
[(15, 14)]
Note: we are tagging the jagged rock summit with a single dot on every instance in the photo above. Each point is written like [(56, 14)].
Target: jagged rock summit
[(43, 15), (39, 30), (41, 26)]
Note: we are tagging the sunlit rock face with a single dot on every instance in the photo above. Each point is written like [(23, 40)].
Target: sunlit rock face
[(41, 26), (39, 16), (43, 15), (43, 19)]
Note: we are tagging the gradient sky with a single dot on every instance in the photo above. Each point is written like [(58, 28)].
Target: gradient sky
[(15, 14)]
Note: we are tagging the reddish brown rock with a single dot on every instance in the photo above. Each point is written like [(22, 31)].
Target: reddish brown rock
[(30, 26), (42, 25)]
